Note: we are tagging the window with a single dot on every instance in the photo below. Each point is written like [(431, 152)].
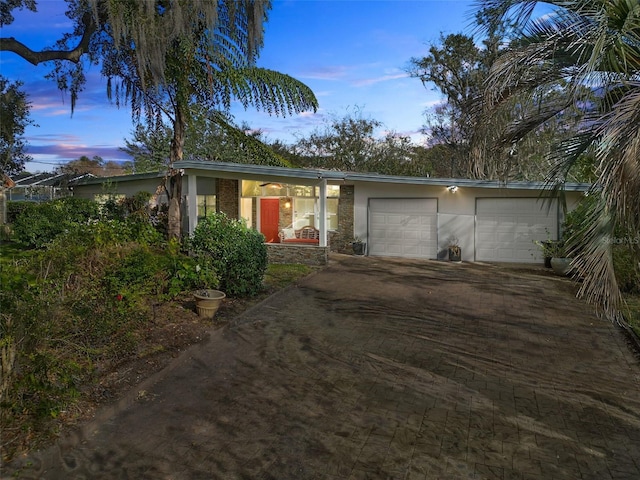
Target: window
[(305, 212), (206, 205)]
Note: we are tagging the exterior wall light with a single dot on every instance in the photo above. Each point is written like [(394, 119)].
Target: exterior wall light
[(452, 188), (287, 204)]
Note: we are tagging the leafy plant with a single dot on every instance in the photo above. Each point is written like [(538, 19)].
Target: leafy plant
[(237, 253), (39, 223), (551, 248)]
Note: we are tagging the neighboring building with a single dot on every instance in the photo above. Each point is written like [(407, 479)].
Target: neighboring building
[(39, 187), (409, 217)]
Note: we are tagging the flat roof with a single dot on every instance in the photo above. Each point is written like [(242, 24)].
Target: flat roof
[(315, 175), (340, 176)]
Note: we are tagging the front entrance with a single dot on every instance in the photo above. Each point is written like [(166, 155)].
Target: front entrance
[(269, 219)]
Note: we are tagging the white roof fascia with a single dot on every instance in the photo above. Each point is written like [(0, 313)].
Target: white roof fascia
[(460, 182), (260, 171), (313, 176), (318, 174)]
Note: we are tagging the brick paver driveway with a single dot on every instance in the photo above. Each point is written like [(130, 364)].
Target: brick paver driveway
[(383, 369)]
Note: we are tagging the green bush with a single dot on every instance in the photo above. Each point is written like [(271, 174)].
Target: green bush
[(39, 223), (123, 208), (85, 298), (237, 253), (622, 243), (14, 209), (627, 270)]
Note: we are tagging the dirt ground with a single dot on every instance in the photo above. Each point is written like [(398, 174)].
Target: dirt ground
[(382, 369)]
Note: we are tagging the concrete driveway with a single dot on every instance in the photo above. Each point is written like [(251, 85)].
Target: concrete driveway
[(383, 369)]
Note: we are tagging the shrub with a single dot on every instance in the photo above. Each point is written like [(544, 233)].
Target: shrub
[(627, 270), (39, 223), (123, 208), (237, 253), (14, 209)]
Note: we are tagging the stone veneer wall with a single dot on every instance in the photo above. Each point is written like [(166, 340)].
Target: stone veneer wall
[(341, 240), (304, 254), (228, 197)]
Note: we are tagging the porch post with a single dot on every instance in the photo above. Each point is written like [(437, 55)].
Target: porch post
[(192, 201), (323, 213)]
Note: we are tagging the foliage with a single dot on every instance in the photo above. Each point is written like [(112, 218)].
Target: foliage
[(582, 43), (552, 248), (95, 166), (627, 271), (352, 143), (455, 67), (620, 243), (210, 135), (39, 223), (458, 68), (237, 253), (14, 209), (14, 119), (84, 299), (70, 313), (149, 146), (164, 60)]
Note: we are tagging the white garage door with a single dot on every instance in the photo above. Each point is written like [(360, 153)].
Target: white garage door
[(403, 227), (507, 227)]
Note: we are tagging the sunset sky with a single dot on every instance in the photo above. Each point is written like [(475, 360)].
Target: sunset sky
[(353, 55)]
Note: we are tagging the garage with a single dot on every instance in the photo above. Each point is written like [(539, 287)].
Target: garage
[(507, 227), (403, 227)]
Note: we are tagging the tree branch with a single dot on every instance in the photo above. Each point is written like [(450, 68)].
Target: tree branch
[(34, 57)]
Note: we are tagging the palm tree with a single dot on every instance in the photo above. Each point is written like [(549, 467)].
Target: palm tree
[(581, 56)]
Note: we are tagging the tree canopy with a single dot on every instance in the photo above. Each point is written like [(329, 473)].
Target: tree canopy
[(14, 118), (164, 57), (357, 143)]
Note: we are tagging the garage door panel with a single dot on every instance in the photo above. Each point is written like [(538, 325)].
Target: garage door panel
[(507, 228), (403, 227)]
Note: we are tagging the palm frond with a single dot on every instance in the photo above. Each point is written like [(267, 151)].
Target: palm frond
[(274, 92), (593, 45)]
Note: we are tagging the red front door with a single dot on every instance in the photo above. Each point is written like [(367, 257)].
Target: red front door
[(269, 219)]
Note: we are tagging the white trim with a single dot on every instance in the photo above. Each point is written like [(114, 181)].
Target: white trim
[(322, 221), (192, 202)]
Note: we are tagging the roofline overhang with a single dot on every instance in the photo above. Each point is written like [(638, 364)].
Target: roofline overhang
[(236, 170), (309, 176)]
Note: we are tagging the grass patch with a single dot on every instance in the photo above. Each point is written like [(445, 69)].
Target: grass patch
[(281, 275)]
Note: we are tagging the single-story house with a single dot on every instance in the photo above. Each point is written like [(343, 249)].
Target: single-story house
[(411, 217)]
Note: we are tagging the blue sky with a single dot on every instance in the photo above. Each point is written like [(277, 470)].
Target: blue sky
[(352, 54)]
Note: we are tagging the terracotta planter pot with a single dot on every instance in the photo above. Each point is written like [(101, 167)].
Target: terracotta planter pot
[(208, 302)]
